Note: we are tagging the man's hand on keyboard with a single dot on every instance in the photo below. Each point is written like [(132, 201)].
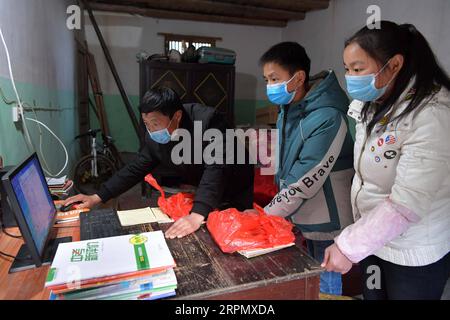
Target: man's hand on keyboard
[(185, 226), (86, 201)]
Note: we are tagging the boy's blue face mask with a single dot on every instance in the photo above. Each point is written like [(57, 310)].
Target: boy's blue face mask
[(279, 94), (363, 87), (161, 136)]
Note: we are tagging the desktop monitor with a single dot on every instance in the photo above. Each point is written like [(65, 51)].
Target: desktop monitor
[(30, 200)]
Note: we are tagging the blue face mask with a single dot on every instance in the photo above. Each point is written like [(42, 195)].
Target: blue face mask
[(279, 94), (161, 136), (363, 87)]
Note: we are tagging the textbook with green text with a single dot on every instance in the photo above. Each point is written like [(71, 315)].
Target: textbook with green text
[(90, 261)]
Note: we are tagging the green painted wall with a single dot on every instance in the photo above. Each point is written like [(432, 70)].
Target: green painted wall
[(63, 122), (245, 110), (119, 121)]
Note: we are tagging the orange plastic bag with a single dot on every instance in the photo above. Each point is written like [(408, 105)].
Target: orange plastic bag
[(176, 206), (233, 230)]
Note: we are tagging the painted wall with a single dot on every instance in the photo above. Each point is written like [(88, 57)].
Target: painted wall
[(127, 35), (324, 32), (43, 59)]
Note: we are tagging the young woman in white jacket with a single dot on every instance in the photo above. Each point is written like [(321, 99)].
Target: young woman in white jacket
[(401, 189)]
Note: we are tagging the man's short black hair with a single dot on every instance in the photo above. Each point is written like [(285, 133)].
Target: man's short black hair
[(161, 99), (290, 55)]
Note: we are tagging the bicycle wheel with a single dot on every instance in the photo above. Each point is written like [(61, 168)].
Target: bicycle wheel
[(84, 181)]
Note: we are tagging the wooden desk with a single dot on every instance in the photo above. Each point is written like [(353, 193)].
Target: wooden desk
[(29, 284), (203, 271)]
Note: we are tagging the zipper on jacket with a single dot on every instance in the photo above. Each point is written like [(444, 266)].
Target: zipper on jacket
[(283, 134), (358, 170)]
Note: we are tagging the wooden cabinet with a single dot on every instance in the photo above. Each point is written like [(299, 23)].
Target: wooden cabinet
[(209, 84)]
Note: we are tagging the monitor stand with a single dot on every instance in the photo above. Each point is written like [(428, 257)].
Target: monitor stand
[(24, 261)]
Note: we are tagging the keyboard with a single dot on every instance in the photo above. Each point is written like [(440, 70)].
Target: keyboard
[(105, 223)]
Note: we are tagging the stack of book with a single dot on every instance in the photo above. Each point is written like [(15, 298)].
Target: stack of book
[(59, 186), (130, 267)]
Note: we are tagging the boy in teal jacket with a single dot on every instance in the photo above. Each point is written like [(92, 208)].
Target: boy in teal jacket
[(315, 164)]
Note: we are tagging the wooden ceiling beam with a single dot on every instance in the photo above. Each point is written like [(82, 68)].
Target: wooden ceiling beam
[(291, 5), (178, 15), (212, 7)]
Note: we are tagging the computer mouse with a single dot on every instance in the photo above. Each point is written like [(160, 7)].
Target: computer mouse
[(69, 207)]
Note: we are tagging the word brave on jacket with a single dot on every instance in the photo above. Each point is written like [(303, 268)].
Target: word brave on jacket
[(309, 180)]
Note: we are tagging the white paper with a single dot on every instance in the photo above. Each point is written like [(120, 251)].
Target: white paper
[(142, 216), (258, 252), (56, 181)]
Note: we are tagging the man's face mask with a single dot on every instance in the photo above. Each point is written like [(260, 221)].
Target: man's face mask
[(279, 94), (161, 136), (363, 87)]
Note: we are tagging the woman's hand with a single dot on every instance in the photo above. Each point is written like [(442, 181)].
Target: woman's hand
[(335, 260)]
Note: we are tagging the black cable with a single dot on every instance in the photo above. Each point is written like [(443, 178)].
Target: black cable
[(14, 257), (7, 255), (9, 234), (12, 236)]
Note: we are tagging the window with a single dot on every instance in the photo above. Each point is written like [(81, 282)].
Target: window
[(182, 42)]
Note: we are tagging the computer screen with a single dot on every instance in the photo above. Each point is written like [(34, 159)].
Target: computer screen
[(34, 200)]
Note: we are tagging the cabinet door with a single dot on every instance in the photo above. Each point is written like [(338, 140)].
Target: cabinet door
[(210, 85), (176, 79), (214, 88)]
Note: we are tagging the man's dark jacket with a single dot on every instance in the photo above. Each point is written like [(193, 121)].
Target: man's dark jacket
[(218, 185)]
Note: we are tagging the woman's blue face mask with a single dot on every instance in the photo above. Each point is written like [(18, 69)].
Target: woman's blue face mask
[(161, 136), (279, 94), (363, 87)]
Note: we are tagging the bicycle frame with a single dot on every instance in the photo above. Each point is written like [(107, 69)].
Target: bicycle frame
[(94, 171)]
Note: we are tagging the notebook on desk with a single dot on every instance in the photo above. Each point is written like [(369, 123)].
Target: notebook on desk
[(142, 216)]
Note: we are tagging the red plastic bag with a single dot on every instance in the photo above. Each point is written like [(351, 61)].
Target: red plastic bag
[(233, 230), (176, 206), (264, 188)]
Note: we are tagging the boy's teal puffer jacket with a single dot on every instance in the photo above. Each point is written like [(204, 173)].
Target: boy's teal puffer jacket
[(315, 161)]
